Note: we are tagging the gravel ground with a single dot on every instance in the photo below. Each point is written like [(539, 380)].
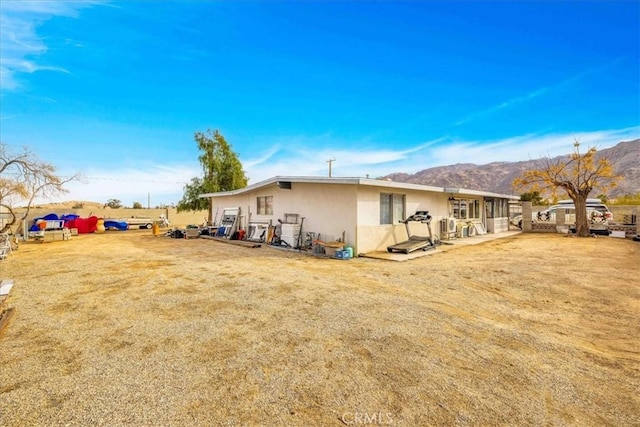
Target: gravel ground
[(130, 329)]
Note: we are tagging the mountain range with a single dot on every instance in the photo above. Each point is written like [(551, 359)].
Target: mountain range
[(498, 177)]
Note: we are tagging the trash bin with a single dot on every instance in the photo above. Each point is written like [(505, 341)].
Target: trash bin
[(156, 229)]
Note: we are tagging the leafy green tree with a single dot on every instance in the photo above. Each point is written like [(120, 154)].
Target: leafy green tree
[(114, 204), (222, 171), (628, 199), (190, 199), (578, 175), (534, 197), (137, 205)]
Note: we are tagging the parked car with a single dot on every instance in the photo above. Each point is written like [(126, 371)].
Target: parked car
[(597, 212)]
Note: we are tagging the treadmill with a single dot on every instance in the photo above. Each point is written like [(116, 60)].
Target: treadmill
[(416, 242)]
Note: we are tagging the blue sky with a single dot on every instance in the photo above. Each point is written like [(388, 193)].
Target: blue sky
[(116, 90)]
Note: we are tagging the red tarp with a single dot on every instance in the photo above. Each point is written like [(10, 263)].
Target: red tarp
[(84, 225)]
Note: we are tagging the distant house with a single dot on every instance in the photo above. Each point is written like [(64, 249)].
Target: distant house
[(366, 212), (4, 216)]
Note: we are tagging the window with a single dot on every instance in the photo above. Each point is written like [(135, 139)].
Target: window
[(497, 208), (460, 209), (490, 207), (265, 205), (474, 209), (466, 209), (503, 210), (391, 208)]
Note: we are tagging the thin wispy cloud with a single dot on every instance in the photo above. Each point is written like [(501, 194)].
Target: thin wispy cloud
[(289, 103), (302, 156), (374, 157), (546, 90), (21, 46), (359, 161), (58, 8), (504, 105), (311, 150), (264, 158), (162, 183), (521, 148)]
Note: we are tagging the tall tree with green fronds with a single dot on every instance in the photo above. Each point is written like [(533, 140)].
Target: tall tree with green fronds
[(222, 171)]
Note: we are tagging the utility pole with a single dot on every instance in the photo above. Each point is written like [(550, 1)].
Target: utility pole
[(330, 161)]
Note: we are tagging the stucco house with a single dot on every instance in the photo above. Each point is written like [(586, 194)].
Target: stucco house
[(365, 212), (4, 216)]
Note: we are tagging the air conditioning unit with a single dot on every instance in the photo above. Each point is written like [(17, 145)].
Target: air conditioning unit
[(462, 230), (447, 228), (448, 225)]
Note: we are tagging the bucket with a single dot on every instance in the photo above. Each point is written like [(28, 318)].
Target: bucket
[(349, 250)]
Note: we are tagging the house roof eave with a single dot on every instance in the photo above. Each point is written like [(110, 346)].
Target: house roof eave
[(358, 181)]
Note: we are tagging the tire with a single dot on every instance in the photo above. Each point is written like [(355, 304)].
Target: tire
[(148, 226)]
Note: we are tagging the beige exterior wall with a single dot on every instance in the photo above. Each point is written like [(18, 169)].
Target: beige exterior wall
[(327, 209), (332, 209), (373, 236)]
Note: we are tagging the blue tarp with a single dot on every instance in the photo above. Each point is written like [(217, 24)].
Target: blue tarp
[(119, 225), (48, 217), (52, 217)]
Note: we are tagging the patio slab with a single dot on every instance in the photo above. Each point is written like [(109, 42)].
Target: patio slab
[(446, 245)]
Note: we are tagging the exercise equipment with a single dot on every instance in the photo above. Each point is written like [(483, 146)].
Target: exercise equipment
[(416, 242)]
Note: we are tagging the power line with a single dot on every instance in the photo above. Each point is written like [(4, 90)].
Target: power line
[(99, 178)]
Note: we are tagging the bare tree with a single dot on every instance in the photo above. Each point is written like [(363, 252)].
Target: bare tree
[(577, 174), (23, 177)]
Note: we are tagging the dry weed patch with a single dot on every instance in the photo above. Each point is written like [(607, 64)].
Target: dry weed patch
[(134, 329)]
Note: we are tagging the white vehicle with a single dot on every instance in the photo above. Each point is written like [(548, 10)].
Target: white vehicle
[(136, 222), (597, 212)]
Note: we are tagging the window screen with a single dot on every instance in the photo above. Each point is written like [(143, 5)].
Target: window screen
[(391, 208), (265, 205)]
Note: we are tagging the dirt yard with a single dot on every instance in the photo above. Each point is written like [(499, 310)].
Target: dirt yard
[(131, 329)]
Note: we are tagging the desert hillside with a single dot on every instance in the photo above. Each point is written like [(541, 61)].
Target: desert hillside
[(72, 204), (498, 176)]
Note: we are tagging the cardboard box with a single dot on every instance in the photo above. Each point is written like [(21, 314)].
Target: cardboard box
[(328, 250), (191, 233)]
